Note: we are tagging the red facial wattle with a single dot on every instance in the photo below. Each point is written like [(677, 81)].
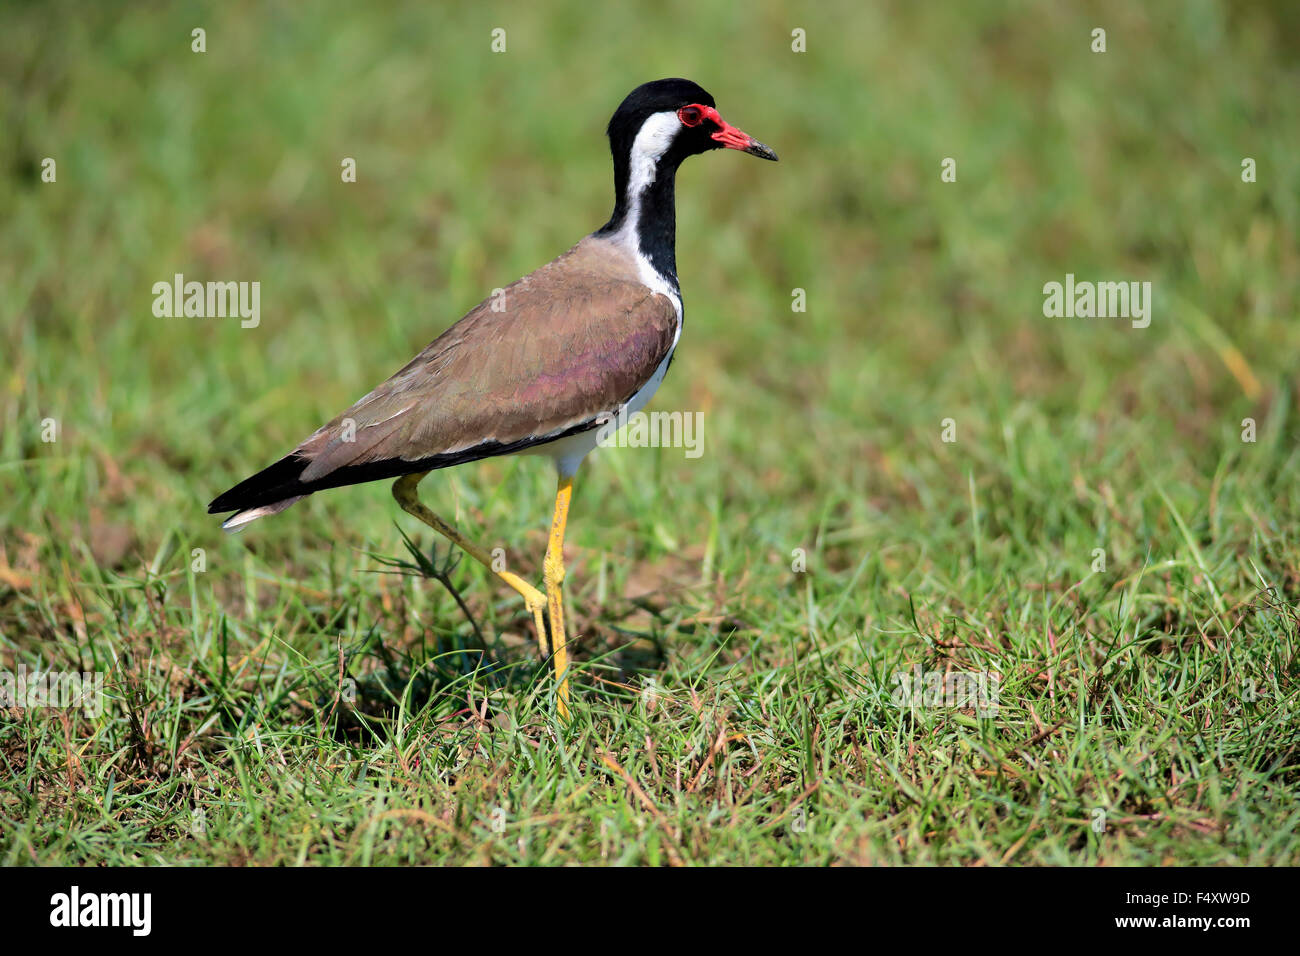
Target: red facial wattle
[(726, 134)]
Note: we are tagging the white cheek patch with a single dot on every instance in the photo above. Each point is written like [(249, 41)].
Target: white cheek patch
[(653, 140), (656, 135)]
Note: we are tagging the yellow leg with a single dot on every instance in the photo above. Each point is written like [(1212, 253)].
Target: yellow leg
[(553, 569), (404, 490)]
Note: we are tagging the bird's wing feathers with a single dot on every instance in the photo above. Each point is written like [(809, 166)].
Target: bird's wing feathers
[(551, 352)]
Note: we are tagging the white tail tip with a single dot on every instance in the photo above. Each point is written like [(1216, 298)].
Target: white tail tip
[(237, 522)]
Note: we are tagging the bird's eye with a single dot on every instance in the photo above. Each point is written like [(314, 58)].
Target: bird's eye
[(690, 115)]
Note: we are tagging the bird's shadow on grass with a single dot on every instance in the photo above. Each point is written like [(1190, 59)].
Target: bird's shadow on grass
[(458, 673), (455, 673)]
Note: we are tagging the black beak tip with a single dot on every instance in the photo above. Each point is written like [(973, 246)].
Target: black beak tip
[(762, 152)]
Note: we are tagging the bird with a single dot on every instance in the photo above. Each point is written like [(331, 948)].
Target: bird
[(536, 368)]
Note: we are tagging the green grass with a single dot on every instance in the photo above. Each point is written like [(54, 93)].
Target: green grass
[(721, 698)]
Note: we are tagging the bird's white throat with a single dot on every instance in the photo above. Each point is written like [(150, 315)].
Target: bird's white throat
[(656, 135)]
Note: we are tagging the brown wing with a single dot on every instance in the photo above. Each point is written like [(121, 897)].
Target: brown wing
[(548, 356)]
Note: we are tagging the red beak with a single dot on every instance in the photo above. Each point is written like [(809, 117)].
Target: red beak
[(734, 138)]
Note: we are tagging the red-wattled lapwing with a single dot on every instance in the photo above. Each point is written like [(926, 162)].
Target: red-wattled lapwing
[(537, 368)]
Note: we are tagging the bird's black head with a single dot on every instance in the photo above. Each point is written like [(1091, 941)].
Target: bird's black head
[(655, 128), (665, 121)]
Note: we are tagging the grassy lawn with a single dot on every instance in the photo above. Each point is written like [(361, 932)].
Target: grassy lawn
[(920, 473)]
